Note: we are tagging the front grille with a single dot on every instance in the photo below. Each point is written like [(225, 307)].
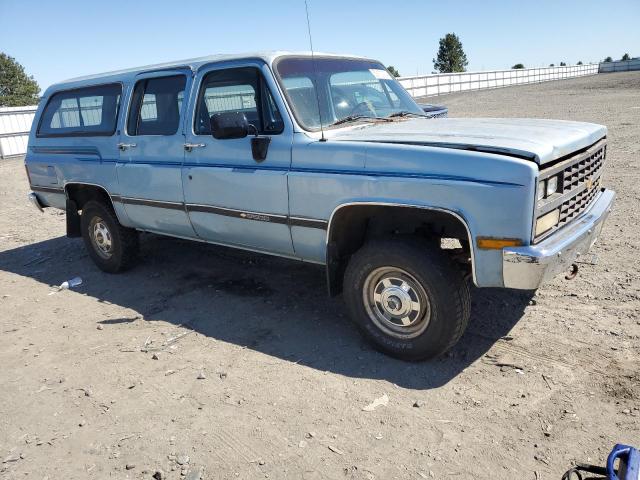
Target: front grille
[(577, 173), (438, 114), (576, 205), (579, 185)]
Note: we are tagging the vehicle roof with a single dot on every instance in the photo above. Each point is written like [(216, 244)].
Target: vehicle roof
[(192, 63)]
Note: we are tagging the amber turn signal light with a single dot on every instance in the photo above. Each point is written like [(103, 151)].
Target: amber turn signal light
[(489, 243)]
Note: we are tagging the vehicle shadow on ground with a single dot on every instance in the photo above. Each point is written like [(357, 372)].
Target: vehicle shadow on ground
[(272, 305)]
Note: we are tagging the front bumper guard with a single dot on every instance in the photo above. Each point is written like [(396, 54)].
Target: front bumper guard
[(526, 268)]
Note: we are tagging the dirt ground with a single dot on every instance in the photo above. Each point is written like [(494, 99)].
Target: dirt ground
[(222, 365)]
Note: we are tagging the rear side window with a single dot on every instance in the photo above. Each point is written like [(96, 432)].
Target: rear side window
[(156, 106), (91, 111)]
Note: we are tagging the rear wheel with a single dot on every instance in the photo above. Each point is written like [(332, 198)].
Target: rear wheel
[(112, 247), (407, 297)]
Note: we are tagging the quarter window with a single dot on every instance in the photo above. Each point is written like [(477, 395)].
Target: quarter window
[(237, 90), (91, 111), (156, 105)]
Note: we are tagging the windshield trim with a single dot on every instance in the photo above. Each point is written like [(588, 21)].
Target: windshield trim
[(288, 100)]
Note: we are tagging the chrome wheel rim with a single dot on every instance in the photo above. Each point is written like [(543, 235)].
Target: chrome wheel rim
[(101, 238), (396, 302)]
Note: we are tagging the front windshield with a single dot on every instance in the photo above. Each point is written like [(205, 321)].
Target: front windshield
[(345, 89)]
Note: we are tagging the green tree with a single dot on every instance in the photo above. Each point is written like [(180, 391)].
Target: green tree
[(579, 62), (451, 57), (562, 64), (607, 60), (392, 70), (626, 57), (17, 89), (552, 64), (517, 66)]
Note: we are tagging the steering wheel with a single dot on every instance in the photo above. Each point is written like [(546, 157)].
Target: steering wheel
[(360, 108)]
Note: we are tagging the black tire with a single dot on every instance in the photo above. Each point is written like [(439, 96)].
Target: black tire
[(123, 246), (442, 306)]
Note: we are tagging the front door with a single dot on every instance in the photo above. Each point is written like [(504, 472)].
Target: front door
[(231, 197), (152, 151)]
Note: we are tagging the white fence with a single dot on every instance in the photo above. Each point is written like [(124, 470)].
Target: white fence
[(15, 123), (440, 84), (620, 66)]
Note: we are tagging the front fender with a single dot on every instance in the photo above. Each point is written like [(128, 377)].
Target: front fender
[(493, 194)]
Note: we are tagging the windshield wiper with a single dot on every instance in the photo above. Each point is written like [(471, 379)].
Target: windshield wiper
[(405, 113), (353, 118)]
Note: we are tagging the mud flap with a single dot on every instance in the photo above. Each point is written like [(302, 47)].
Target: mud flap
[(73, 220)]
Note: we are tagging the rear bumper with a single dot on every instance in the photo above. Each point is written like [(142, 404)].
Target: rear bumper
[(528, 267), (33, 198)]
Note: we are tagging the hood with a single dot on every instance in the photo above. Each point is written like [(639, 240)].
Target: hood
[(539, 140)]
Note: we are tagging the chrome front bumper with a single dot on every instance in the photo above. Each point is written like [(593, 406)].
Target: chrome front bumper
[(528, 267)]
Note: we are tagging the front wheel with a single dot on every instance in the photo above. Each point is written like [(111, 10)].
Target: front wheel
[(112, 247), (407, 297)]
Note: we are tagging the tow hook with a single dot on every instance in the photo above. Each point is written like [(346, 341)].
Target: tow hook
[(573, 272)]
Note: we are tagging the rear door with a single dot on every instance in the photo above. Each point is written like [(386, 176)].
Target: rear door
[(152, 152)]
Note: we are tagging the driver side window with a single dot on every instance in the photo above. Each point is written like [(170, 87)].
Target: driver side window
[(237, 90)]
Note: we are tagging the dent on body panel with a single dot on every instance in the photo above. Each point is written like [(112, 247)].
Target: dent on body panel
[(310, 243), (55, 200), (488, 268), (41, 172)]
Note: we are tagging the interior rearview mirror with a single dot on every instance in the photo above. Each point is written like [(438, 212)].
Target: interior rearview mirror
[(229, 125)]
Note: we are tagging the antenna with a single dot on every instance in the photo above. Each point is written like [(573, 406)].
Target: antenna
[(315, 72)]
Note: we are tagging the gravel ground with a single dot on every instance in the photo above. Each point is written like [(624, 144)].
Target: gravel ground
[(204, 360)]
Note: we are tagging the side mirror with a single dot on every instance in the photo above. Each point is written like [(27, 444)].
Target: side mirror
[(229, 125)]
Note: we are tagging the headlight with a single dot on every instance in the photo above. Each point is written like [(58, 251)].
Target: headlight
[(552, 186), (541, 190), (547, 221), (548, 187)]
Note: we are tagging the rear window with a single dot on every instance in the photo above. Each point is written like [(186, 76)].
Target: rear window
[(91, 111)]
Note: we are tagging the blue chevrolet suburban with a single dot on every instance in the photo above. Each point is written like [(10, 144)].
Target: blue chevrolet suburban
[(324, 159)]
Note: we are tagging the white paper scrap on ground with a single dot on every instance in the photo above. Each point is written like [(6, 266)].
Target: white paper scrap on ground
[(378, 402)]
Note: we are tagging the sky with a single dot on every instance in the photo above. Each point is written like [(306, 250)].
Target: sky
[(55, 40)]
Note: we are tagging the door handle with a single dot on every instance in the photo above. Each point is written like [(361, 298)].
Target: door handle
[(124, 146), (190, 146)]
